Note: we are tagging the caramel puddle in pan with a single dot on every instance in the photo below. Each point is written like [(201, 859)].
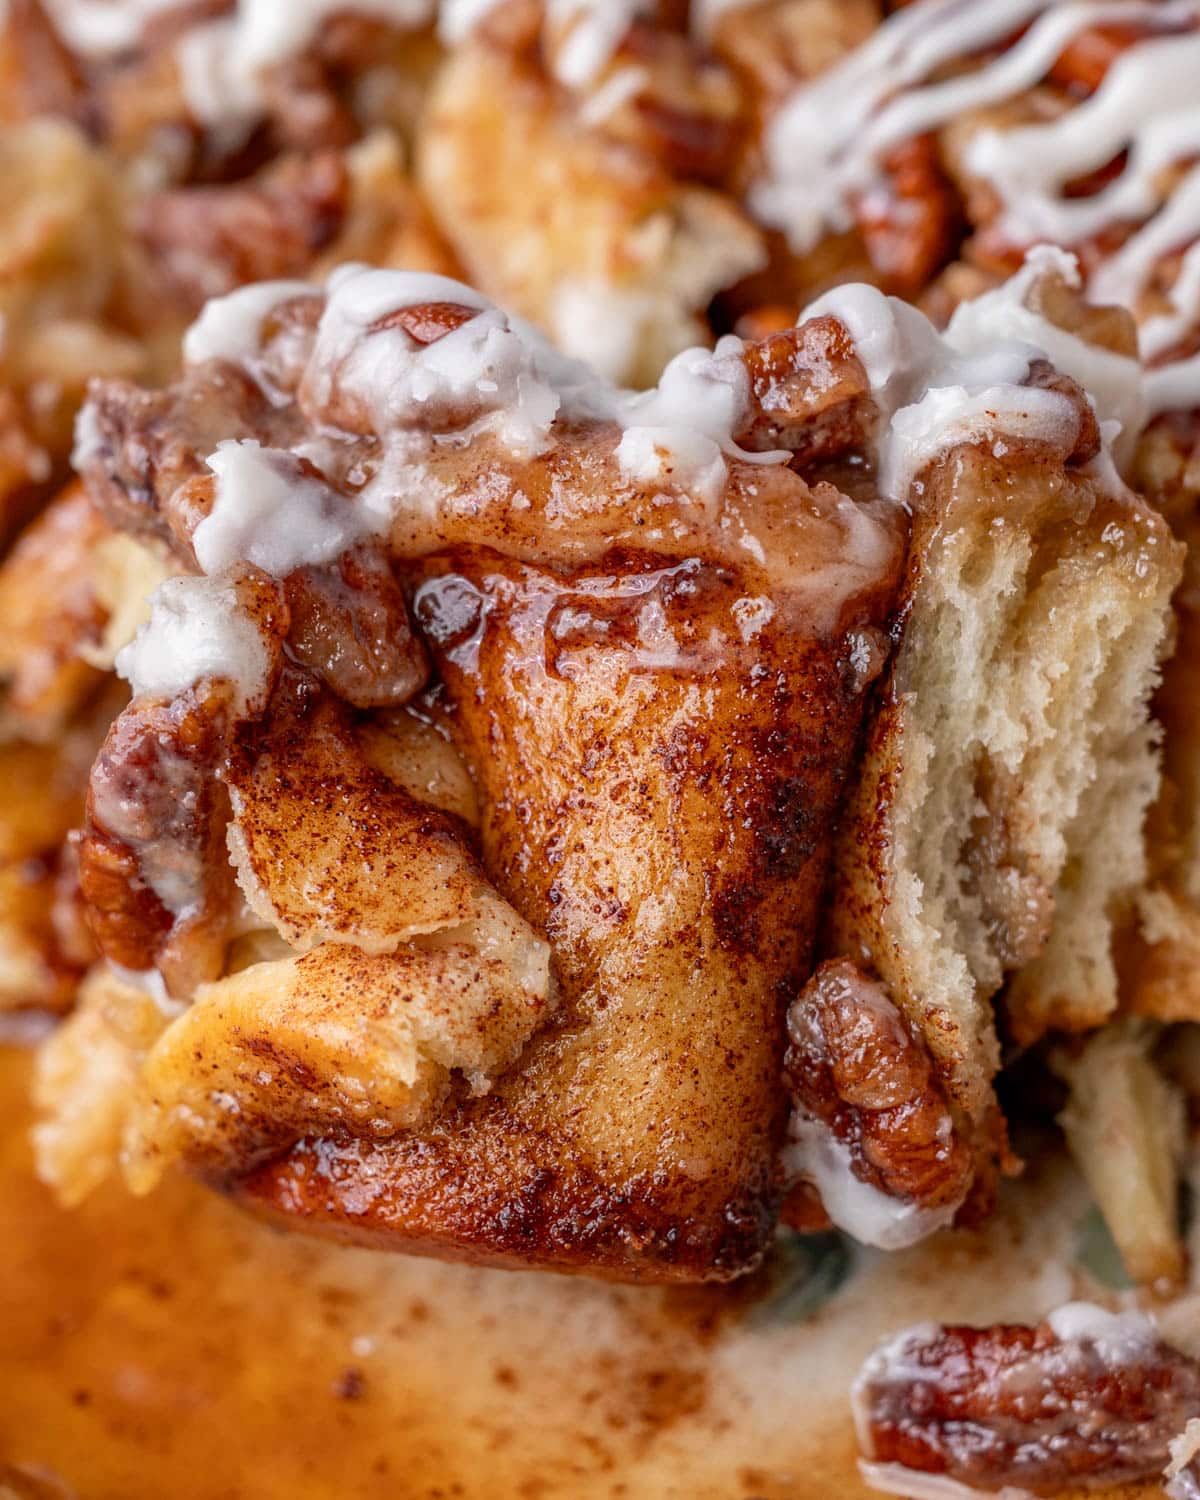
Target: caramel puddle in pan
[(175, 1347)]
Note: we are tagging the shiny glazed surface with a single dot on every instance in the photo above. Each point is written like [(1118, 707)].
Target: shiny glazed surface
[(174, 1346)]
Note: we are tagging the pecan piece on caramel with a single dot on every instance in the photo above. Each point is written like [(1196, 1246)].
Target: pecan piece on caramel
[(871, 1129), (809, 393), (1085, 1399), (153, 866), (350, 625), (204, 241)]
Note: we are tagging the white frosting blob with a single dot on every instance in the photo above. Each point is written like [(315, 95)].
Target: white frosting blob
[(492, 370), (269, 512), (196, 630), (675, 457), (104, 28), (230, 327), (222, 63), (936, 391), (676, 433)]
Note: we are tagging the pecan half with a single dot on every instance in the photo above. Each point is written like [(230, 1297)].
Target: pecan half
[(153, 866), (350, 625), (809, 392), (1086, 1398), (205, 241), (871, 1128)]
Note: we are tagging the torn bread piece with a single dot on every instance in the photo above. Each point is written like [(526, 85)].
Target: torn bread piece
[(996, 830), (1125, 1125), (397, 972), (336, 1041), (598, 580), (602, 248), (637, 616)]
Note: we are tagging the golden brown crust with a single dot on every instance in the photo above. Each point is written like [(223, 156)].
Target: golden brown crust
[(637, 1139)]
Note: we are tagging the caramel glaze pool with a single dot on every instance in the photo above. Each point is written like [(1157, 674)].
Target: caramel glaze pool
[(175, 1349)]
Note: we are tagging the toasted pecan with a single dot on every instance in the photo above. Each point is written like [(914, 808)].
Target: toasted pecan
[(854, 1066), (204, 241), (1084, 1399), (809, 392)]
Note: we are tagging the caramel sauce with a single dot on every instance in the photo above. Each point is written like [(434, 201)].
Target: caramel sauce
[(174, 1346)]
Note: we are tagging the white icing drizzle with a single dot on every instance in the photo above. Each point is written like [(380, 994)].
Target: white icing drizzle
[(895, 1479), (827, 142), (496, 373), (814, 1154), (1174, 387), (936, 391), (680, 431), (622, 85), (1112, 381), (222, 63), (457, 19), (1147, 102), (1124, 276), (592, 30), (105, 28), (230, 327), (196, 630), (269, 511), (492, 371)]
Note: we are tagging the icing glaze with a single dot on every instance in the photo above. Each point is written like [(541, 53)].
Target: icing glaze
[(256, 488), (872, 1217), (827, 144), (968, 384), (196, 630), (230, 327)]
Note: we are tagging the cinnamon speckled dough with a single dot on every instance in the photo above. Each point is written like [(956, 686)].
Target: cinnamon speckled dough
[(666, 823)]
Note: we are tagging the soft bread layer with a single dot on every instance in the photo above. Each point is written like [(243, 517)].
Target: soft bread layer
[(336, 1039), (1161, 969), (599, 246), (1125, 1125), (1007, 772), (668, 830)]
